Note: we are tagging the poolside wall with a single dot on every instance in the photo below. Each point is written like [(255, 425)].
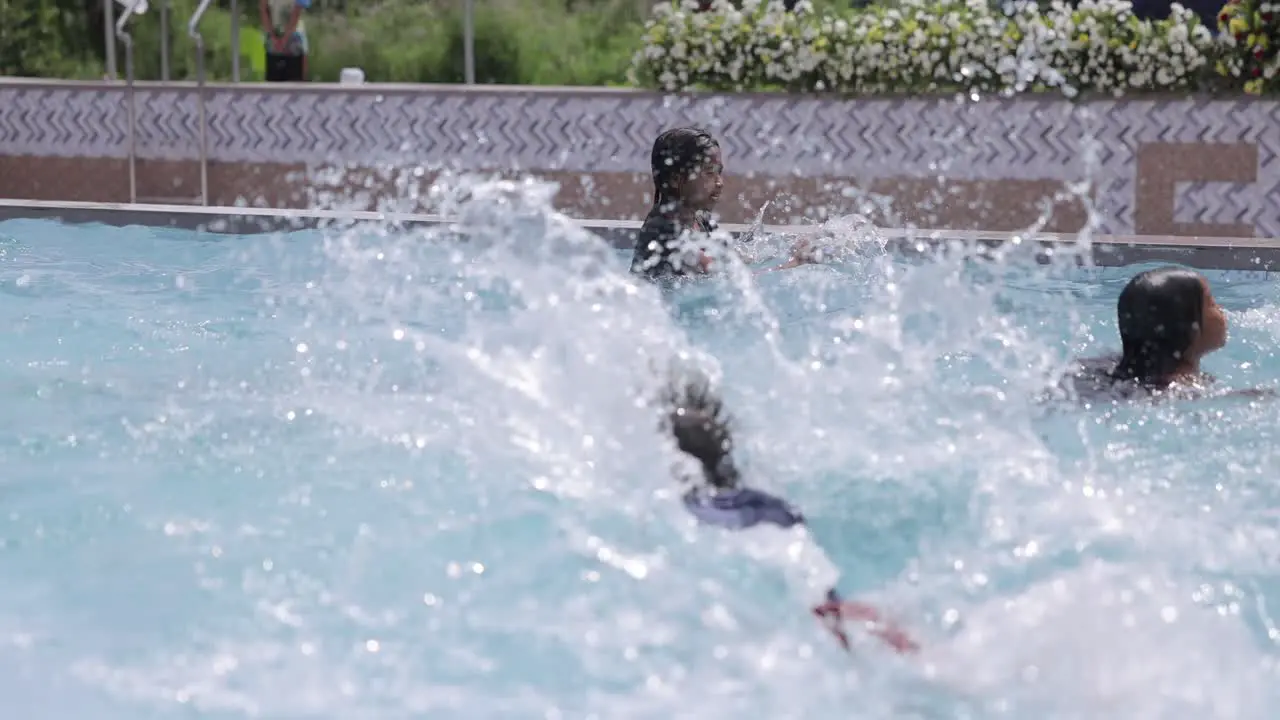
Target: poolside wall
[(1172, 166)]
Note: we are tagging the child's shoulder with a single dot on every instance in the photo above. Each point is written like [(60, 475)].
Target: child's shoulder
[(656, 232), (740, 508), (658, 221)]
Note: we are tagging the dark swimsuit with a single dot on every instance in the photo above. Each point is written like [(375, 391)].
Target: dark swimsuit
[(659, 242), (742, 508)]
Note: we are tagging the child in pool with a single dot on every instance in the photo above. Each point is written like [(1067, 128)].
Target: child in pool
[(701, 429), (688, 172), (1168, 321)]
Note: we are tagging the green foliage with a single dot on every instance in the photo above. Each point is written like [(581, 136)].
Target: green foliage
[(44, 38), (215, 29), (542, 42), (545, 42), (926, 46), (593, 42)]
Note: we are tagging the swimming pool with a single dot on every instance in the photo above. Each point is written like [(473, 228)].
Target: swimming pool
[(367, 474)]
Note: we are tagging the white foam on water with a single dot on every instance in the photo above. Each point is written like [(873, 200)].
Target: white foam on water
[(1105, 641), (418, 474)]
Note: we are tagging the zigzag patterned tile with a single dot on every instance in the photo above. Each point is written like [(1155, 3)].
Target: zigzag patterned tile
[(1039, 138), (1266, 189), (1107, 157), (168, 125), (63, 122), (1215, 203), (1228, 203)]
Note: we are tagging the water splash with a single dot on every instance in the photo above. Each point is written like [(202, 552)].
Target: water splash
[(416, 474)]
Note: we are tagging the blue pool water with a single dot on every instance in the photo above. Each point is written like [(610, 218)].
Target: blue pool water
[(390, 475)]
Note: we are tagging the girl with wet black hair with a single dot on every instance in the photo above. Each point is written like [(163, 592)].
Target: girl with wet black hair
[(1168, 321), (702, 430), (688, 170), (687, 182)]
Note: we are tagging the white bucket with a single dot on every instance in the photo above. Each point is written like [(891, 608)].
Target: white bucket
[(351, 76)]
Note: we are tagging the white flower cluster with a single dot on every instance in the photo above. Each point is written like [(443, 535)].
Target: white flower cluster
[(915, 46)]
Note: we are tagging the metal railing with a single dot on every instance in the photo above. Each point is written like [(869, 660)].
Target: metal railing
[(109, 42), (235, 42), (469, 41), (193, 31), (166, 44), (165, 52), (117, 28), (130, 97)]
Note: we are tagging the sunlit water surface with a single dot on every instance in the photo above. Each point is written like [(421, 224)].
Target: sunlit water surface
[(391, 475)]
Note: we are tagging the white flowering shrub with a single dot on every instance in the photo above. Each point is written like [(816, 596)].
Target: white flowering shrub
[(1251, 39), (917, 46)]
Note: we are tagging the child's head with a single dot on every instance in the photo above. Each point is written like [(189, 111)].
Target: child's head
[(1168, 319), (687, 166), (701, 428)]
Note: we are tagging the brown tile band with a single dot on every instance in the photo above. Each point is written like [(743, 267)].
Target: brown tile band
[(961, 205), (1161, 166), (997, 205)]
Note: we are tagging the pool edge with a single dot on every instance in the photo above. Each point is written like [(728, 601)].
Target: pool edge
[(1253, 254)]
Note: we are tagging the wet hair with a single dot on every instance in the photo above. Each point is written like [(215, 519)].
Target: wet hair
[(1159, 313), (678, 153), (702, 429)]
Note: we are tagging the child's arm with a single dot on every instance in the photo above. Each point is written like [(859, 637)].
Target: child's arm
[(834, 611), (800, 255), (743, 508), (295, 16), (264, 12), (704, 262)]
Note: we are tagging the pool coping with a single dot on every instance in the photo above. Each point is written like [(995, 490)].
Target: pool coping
[(1218, 253)]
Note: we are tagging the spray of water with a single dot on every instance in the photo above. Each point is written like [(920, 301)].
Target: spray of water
[(418, 474)]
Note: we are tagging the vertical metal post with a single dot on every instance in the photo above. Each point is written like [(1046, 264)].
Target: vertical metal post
[(194, 33), (469, 41), (235, 42), (165, 52), (131, 99), (109, 22)]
